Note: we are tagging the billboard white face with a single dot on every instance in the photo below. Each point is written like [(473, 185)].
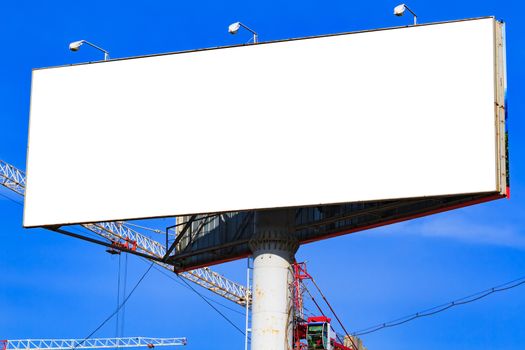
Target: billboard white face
[(388, 114)]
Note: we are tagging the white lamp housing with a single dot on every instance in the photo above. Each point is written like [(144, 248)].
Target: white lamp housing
[(399, 10), (75, 45), (234, 27)]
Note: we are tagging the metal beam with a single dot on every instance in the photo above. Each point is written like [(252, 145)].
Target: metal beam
[(94, 343), (109, 245), (179, 237)]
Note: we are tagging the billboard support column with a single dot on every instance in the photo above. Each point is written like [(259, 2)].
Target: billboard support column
[(273, 247)]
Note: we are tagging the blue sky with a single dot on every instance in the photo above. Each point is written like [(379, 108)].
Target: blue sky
[(55, 286)]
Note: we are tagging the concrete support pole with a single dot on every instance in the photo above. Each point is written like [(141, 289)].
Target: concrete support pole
[(273, 248)]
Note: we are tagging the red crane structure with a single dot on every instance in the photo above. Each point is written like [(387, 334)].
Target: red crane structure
[(314, 332)]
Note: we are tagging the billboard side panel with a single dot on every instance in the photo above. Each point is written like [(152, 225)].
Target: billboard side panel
[(370, 116), (501, 108)]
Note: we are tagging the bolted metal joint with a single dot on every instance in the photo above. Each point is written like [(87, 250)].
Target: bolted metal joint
[(274, 240)]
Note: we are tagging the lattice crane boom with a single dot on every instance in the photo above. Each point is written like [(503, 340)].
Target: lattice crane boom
[(94, 343), (119, 234), (12, 178)]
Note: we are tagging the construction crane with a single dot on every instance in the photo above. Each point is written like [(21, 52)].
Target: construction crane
[(12, 178), (312, 333), (315, 332), (95, 343), (122, 237)]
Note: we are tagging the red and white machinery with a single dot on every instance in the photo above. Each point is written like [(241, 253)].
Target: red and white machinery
[(320, 335), (316, 332)]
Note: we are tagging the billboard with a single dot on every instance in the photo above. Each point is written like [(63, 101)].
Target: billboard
[(349, 118)]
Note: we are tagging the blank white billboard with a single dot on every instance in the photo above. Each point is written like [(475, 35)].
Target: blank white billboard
[(397, 113)]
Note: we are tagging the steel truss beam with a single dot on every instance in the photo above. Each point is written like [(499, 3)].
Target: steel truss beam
[(12, 178), (95, 343)]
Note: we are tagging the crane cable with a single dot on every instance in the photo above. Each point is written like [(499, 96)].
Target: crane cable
[(213, 307), (333, 312), (121, 285), (118, 308), (118, 297), (124, 293), (11, 199), (183, 285), (318, 308), (315, 302)]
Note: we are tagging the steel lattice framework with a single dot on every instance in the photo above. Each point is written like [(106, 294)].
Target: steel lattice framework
[(112, 230), (95, 343), (121, 236), (12, 178)]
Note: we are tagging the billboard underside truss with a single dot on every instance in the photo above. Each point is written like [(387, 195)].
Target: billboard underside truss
[(211, 239)]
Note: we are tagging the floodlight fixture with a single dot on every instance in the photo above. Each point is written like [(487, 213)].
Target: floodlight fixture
[(234, 28), (399, 10), (75, 46)]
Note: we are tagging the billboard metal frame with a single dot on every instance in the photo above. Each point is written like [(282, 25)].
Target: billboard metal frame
[(206, 239)]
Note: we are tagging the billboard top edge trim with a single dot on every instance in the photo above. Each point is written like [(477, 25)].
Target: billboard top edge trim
[(266, 42)]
